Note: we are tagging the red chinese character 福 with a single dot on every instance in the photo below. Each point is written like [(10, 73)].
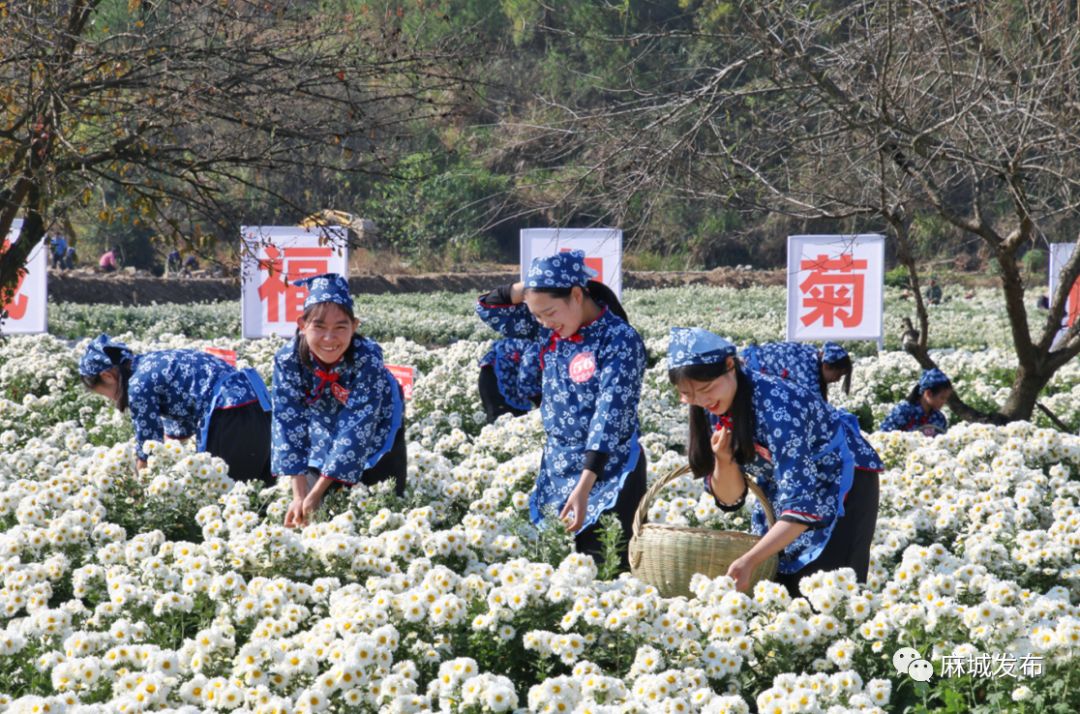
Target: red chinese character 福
[(283, 267), (833, 290), (16, 307)]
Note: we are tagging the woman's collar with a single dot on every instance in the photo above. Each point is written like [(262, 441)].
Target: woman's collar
[(593, 322)]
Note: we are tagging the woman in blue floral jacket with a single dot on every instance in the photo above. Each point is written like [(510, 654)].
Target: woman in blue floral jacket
[(510, 378), (801, 363), (593, 362), (921, 411), (810, 460), (338, 412), (183, 393)]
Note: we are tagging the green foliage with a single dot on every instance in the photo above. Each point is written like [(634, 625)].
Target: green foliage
[(1035, 262), (898, 278), (435, 206), (612, 542)]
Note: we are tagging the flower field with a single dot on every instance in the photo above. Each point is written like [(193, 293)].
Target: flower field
[(179, 589)]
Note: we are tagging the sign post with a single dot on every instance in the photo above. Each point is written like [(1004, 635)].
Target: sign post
[(275, 256), (836, 287), (602, 247)]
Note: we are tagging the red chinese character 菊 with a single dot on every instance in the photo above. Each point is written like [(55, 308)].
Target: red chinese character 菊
[(833, 290), (16, 306), (283, 267)]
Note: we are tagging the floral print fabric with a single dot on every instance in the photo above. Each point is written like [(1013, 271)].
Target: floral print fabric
[(517, 370), (807, 455), (591, 387), (794, 361), (339, 425), (171, 392)]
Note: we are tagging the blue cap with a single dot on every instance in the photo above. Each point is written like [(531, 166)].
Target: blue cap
[(328, 287), (831, 353), (933, 378), (693, 345), (103, 353), (562, 270)]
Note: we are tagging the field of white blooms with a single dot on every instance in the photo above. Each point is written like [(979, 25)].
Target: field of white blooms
[(176, 589)]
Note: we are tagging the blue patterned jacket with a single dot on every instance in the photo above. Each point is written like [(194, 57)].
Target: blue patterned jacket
[(171, 393), (516, 362), (795, 361), (808, 452), (591, 388), (906, 416), (339, 429)]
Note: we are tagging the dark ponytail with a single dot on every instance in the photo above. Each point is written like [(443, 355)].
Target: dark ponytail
[(699, 443), (604, 295), (597, 291), (842, 365)]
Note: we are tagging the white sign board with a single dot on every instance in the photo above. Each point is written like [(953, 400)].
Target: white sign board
[(274, 257), (1060, 253), (27, 311), (602, 246), (836, 287)]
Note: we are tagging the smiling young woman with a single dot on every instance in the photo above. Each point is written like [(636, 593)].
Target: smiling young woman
[(809, 458), (592, 363), (338, 412)]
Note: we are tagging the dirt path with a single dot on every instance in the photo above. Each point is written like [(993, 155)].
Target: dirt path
[(138, 290)]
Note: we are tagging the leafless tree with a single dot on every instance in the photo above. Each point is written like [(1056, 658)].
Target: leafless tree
[(180, 104), (869, 113)]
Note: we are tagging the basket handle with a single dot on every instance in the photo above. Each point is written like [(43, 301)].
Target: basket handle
[(641, 514)]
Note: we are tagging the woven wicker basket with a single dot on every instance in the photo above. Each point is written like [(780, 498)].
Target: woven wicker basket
[(668, 556)]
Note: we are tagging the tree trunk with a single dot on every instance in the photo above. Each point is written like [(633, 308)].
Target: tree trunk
[(1024, 394)]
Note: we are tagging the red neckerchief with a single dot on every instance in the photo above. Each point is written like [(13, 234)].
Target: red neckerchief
[(325, 377), (577, 337), (921, 421), (724, 422)]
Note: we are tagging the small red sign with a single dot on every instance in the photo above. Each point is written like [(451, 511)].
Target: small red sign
[(340, 393), (582, 367), (404, 377), (221, 353)]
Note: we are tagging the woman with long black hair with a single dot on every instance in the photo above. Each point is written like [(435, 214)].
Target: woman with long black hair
[(810, 459), (593, 363), (184, 393)]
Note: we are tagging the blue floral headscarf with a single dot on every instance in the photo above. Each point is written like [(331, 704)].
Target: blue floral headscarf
[(562, 270), (831, 353), (693, 345), (328, 287), (103, 353), (933, 378)]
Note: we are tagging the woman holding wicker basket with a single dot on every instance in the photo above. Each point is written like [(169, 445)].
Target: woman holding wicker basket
[(809, 459)]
